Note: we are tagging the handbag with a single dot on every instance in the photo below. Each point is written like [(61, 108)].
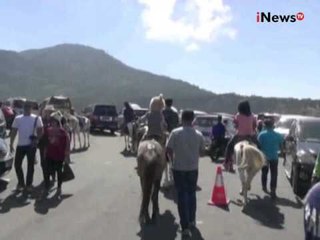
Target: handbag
[(67, 173)]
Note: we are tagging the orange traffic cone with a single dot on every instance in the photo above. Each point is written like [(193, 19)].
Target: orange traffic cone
[(218, 197)]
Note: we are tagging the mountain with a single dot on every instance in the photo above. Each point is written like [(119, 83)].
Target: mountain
[(88, 75)]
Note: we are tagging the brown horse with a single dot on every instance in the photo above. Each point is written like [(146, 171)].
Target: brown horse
[(151, 163)]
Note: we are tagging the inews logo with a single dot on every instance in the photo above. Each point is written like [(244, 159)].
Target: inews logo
[(268, 17)]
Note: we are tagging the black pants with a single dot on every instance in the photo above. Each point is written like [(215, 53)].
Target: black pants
[(273, 165), (21, 152), (54, 167)]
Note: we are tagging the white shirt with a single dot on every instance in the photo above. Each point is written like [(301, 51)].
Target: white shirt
[(25, 127), (187, 144)]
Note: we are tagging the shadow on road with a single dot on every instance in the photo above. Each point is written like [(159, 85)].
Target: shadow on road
[(128, 154), (42, 206), (79, 150), (288, 203), (3, 185), (103, 134), (265, 211), (14, 200), (165, 229)]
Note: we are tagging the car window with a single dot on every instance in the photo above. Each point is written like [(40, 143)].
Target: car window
[(285, 123), (310, 130), (60, 103), (105, 110), (205, 121), (18, 103)]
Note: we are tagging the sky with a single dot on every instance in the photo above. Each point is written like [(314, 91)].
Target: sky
[(214, 44)]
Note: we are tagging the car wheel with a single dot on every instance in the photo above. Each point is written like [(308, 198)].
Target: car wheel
[(295, 181)]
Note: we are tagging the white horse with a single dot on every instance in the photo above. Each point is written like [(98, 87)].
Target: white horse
[(84, 126), (249, 160), (73, 127)]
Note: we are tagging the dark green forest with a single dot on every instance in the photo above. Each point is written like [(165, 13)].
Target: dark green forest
[(88, 75)]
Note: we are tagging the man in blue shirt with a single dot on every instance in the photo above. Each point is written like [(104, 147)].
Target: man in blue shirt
[(270, 143)]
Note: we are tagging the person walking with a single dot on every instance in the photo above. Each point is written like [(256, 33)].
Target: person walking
[(185, 146), (29, 128), (57, 150), (270, 144), (312, 214)]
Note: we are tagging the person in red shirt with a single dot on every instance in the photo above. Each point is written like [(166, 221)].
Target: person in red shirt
[(57, 150)]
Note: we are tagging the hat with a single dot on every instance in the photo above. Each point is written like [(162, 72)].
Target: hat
[(55, 116)]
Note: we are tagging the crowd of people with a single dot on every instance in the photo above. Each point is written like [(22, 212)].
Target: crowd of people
[(183, 145), (53, 142)]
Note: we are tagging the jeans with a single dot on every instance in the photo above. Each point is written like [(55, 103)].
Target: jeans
[(21, 152), (186, 186), (273, 165)]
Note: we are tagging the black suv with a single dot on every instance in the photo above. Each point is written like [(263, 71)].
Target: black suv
[(302, 147), (102, 117)]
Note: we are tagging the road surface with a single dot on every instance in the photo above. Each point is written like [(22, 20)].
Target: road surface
[(103, 203)]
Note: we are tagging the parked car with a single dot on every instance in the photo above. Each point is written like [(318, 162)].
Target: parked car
[(3, 125), (302, 148), (138, 111), (102, 117), (204, 123), (6, 157), (16, 103), (283, 127), (9, 115), (60, 103)]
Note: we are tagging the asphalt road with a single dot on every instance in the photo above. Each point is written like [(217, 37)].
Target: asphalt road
[(103, 203)]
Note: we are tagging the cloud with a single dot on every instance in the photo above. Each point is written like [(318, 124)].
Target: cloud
[(187, 22), (192, 47)]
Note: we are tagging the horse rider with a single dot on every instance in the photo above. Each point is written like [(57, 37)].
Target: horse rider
[(246, 124), (155, 120)]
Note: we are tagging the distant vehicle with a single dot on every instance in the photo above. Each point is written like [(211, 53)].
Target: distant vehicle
[(302, 148), (3, 125), (283, 127), (16, 104), (9, 115), (284, 124), (102, 117), (60, 103), (204, 123), (275, 117), (138, 111), (6, 157)]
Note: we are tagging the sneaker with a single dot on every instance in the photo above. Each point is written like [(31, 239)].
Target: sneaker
[(186, 233)]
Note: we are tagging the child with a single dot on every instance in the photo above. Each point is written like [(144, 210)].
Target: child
[(56, 150)]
